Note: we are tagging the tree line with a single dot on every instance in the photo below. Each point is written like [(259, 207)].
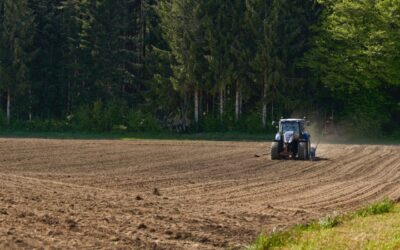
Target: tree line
[(191, 65)]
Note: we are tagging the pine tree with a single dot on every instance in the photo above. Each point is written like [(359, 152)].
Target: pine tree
[(158, 72), (71, 27), (16, 39), (266, 64), (217, 26), (241, 51), (184, 33), (111, 45), (49, 90)]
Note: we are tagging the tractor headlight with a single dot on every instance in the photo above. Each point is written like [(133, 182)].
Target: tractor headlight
[(278, 137)]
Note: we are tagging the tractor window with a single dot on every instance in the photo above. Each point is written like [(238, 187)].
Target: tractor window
[(290, 126)]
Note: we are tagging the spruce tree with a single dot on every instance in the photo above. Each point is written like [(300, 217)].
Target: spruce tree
[(71, 26), (184, 33), (111, 45), (16, 52), (49, 90), (218, 28)]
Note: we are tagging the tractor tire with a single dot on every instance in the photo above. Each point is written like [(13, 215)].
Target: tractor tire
[(275, 151), (308, 150), (303, 154)]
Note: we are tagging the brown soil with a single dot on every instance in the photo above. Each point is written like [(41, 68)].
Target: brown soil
[(176, 195)]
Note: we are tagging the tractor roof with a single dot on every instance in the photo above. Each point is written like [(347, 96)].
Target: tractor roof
[(292, 120)]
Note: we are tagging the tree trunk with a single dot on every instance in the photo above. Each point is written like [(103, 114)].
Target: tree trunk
[(196, 106), (30, 105), (221, 103), (8, 106), (237, 104), (272, 110), (143, 36), (69, 98), (240, 105), (201, 103), (264, 115), (264, 110)]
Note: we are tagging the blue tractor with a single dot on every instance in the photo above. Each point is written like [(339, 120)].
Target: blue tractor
[(292, 140)]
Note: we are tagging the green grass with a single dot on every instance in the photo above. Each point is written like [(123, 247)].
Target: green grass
[(376, 226), (216, 136), (385, 206), (226, 136), (265, 241)]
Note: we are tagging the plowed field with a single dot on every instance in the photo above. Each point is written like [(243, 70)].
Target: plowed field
[(176, 194)]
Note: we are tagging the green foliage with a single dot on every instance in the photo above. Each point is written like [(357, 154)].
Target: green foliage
[(354, 57), (139, 122), (261, 243), (366, 111), (250, 124), (46, 125), (210, 123), (274, 240), (3, 119), (16, 53), (108, 43), (241, 62), (385, 206), (100, 117), (265, 242)]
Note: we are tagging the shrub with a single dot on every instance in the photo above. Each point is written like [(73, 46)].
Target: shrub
[(366, 113), (3, 119), (211, 123), (252, 124), (140, 122), (82, 118), (47, 125), (382, 207), (247, 124), (329, 221), (264, 242), (100, 117), (261, 243)]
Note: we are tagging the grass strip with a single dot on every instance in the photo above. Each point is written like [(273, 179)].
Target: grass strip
[(375, 225)]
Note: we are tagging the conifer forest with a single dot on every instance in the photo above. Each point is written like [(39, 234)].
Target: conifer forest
[(199, 65)]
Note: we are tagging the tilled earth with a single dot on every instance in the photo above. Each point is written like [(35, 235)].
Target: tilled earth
[(176, 194)]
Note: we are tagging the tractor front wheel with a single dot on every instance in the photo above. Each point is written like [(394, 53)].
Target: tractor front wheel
[(275, 151)]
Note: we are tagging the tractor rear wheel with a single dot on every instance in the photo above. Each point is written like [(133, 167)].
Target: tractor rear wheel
[(308, 157), (275, 151), (303, 151)]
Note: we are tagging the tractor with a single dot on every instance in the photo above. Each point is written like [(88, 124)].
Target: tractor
[(292, 140)]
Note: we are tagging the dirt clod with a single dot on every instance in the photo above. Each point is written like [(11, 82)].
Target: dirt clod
[(49, 220), (156, 192), (72, 224)]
